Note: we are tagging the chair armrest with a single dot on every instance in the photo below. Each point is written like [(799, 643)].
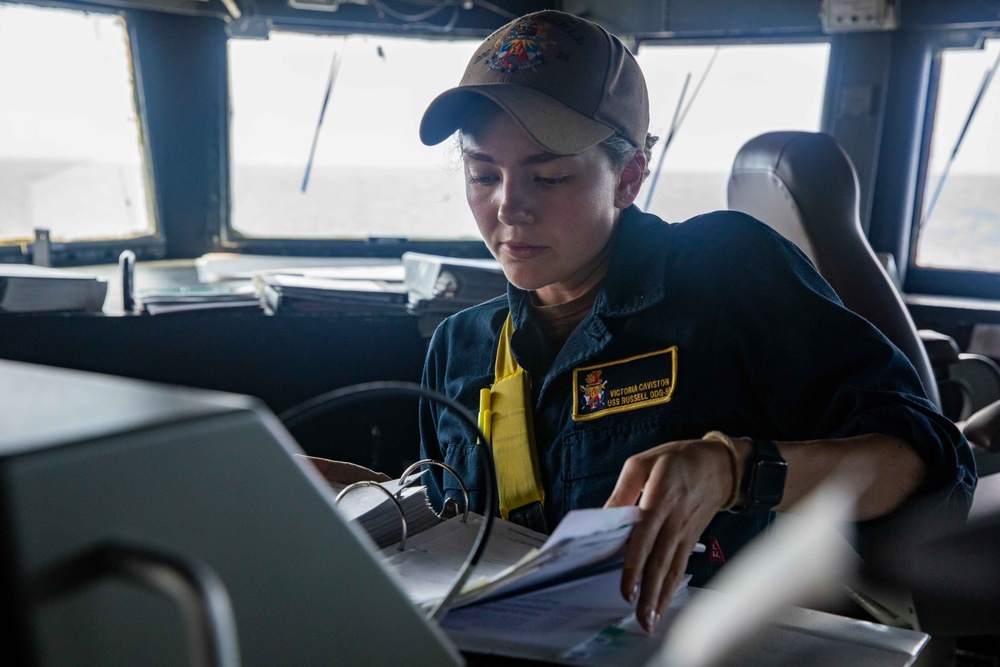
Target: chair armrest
[(982, 428), (942, 349)]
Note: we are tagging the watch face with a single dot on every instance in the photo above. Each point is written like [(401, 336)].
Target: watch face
[(768, 483)]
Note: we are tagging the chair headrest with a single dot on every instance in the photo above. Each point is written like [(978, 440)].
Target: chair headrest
[(803, 185)]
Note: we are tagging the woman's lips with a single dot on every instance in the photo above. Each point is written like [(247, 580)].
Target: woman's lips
[(521, 250)]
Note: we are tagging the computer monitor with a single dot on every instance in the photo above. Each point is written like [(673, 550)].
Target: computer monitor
[(92, 466)]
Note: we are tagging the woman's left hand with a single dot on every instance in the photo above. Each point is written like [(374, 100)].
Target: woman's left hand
[(680, 486), (343, 472)]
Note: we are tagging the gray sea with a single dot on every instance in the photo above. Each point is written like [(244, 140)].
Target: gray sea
[(78, 200)]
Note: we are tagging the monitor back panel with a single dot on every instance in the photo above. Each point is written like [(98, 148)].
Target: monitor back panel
[(218, 486)]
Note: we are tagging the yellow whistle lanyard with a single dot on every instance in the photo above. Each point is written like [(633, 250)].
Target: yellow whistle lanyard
[(505, 418)]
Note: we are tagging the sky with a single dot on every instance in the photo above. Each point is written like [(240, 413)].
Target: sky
[(66, 89), (963, 72), (66, 95), (389, 82)]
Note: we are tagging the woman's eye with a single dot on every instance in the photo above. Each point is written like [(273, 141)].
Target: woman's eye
[(485, 179), (552, 181)]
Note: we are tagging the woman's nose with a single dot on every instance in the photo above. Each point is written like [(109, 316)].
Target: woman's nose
[(515, 207)]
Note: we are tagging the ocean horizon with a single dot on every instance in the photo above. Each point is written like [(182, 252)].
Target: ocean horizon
[(79, 200)]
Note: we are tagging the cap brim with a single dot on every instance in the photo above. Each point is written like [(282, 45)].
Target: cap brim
[(553, 125)]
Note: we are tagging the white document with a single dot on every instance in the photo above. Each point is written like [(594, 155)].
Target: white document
[(581, 622), (586, 622), (433, 558), (516, 558)]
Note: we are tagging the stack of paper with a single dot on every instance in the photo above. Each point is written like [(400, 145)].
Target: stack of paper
[(225, 266), (516, 559), (746, 620), (433, 558), (311, 293), (379, 516), (446, 285), (583, 621), (198, 297)]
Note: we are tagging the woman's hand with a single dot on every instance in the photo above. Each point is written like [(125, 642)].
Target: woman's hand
[(342, 472), (680, 486)]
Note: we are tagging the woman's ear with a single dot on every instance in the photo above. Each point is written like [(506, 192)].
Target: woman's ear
[(630, 180)]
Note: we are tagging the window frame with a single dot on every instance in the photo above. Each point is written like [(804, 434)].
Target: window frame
[(929, 280), (179, 234), (232, 241), (229, 240), (790, 38), (146, 247)]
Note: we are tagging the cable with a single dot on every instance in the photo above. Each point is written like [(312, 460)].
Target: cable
[(411, 18), (496, 10), (347, 395), (679, 116), (983, 87)]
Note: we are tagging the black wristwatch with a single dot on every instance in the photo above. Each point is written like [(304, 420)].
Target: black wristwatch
[(764, 478)]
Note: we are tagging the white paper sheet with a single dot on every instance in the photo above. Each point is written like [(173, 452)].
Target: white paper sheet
[(581, 622), (432, 558)]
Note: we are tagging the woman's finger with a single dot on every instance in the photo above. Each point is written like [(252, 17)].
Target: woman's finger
[(631, 481), (680, 490), (655, 573), (343, 472)]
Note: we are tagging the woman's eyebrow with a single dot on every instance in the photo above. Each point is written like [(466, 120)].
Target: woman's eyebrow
[(537, 158)]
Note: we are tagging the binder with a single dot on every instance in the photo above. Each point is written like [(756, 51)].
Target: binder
[(444, 285), (193, 298), (407, 512), (426, 551), (34, 289), (301, 293), (555, 598)]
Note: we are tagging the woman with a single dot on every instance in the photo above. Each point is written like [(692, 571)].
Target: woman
[(646, 343), (634, 361)]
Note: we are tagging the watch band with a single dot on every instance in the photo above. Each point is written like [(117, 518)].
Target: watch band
[(764, 479)]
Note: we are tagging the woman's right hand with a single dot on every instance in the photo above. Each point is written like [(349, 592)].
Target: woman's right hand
[(342, 472), (679, 486)]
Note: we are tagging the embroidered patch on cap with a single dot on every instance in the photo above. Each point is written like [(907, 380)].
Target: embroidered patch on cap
[(521, 50), (627, 384)]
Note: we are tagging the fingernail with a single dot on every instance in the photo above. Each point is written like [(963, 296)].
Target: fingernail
[(652, 618), (631, 596)]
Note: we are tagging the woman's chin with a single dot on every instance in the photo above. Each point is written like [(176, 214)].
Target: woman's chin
[(528, 283)]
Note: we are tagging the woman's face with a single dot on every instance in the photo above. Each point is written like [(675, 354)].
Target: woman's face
[(546, 218)]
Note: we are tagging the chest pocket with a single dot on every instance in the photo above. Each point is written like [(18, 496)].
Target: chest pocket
[(593, 456), (458, 446)]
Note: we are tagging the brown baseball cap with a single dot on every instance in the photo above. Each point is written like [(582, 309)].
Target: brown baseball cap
[(567, 81)]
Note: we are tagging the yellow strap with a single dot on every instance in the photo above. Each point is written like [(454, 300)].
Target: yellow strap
[(505, 417), (506, 364)]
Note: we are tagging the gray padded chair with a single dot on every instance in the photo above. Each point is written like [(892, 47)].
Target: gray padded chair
[(804, 186)]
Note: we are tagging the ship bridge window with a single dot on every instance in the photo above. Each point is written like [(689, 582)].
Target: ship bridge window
[(71, 159), (324, 142), (707, 101), (959, 223), (323, 130)]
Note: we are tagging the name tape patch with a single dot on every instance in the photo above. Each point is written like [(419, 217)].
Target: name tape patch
[(627, 384)]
